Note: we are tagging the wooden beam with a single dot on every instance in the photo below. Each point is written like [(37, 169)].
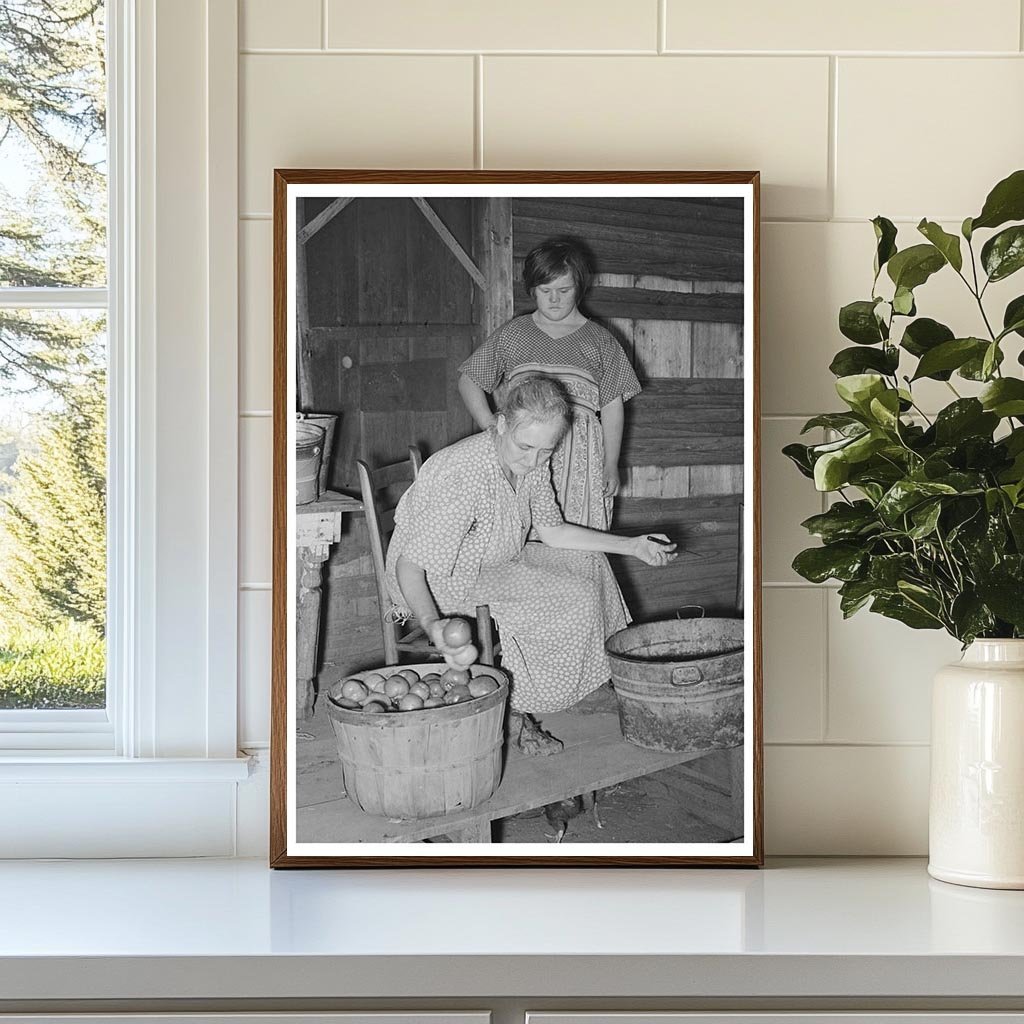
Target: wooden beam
[(494, 251), (671, 236), (645, 304), (449, 240), (302, 355), (322, 218), (689, 262), (357, 332)]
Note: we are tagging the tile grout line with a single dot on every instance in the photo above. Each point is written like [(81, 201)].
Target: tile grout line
[(662, 28), (338, 51), (323, 24), (825, 692), (478, 111), (851, 744), (1020, 25), (832, 145)]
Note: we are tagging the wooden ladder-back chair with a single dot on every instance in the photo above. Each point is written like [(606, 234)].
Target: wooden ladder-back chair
[(379, 487)]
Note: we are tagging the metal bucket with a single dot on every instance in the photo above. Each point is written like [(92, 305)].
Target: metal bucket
[(309, 449), (327, 421), (679, 683)]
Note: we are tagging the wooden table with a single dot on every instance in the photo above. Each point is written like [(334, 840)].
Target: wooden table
[(317, 527), (595, 757)]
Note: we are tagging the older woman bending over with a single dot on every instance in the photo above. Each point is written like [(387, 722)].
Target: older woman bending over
[(460, 541)]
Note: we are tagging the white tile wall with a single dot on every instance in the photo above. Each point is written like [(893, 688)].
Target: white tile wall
[(260, 25), (925, 117), (254, 610), (698, 113), (471, 25), (255, 315), (961, 129), (872, 25)]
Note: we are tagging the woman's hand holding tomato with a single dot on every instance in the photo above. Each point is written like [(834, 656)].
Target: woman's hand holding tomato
[(452, 638)]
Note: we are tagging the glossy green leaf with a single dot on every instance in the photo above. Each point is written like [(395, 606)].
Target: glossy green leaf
[(843, 521), (913, 266), (1005, 202), (885, 237), (841, 421), (1003, 254), (907, 494), (885, 571), (948, 356), (1004, 397), (1013, 317), (839, 561), (885, 409), (849, 361), (902, 610), (971, 616), (854, 594), (903, 302), (857, 321), (858, 389), (991, 360), (947, 244), (1003, 596), (965, 229), (799, 455), (831, 471), (974, 368), (964, 418), (922, 336), (925, 518)]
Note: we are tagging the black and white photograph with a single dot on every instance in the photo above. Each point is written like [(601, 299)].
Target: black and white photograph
[(516, 574)]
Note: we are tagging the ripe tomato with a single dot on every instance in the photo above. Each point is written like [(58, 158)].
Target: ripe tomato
[(454, 677), (456, 633)]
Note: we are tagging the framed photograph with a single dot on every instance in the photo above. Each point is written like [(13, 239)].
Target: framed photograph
[(516, 609)]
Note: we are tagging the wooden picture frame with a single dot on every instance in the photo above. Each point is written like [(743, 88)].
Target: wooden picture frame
[(384, 282)]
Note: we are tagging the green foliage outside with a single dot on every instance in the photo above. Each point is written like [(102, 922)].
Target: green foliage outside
[(52, 365), (928, 522), (60, 667)]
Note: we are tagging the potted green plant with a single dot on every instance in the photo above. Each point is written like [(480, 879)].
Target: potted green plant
[(927, 521)]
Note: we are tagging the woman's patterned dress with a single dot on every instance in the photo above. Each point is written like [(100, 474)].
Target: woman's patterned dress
[(594, 370), (466, 527)]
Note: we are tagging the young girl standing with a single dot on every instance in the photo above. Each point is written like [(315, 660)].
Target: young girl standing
[(557, 340)]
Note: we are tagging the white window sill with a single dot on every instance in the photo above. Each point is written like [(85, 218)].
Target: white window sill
[(78, 766)]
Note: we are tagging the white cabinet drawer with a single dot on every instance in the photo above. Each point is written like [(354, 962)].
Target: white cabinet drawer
[(790, 1017)]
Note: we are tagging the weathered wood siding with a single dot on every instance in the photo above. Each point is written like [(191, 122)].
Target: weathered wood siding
[(391, 315), (669, 286)]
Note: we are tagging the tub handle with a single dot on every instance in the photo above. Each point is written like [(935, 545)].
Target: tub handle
[(682, 675), (709, 668)]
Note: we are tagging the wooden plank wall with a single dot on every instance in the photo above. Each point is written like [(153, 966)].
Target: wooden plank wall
[(669, 286), (391, 315)]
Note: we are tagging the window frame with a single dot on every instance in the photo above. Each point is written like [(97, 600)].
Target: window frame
[(172, 503)]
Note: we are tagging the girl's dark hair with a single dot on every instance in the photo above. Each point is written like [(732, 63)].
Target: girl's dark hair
[(536, 399), (552, 259)]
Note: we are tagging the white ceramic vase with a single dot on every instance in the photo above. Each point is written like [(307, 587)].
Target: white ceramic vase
[(976, 812)]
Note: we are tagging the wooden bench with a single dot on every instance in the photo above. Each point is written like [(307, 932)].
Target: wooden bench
[(595, 756)]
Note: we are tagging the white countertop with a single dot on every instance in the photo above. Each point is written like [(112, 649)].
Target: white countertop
[(234, 928)]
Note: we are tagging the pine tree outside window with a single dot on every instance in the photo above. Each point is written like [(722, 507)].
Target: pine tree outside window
[(53, 369)]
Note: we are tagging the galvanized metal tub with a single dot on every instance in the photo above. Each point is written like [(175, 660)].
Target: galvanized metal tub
[(679, 683)]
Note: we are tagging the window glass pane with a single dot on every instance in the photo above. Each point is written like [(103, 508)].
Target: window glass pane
[(53, 150), (52, 509)]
